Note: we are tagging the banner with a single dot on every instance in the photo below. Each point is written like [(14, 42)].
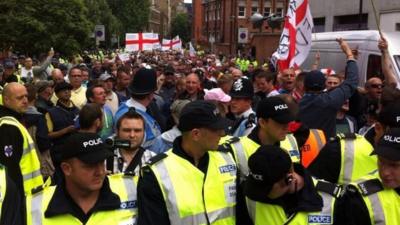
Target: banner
[(141, 42), (192, 51), (174, 44), (295, 41)]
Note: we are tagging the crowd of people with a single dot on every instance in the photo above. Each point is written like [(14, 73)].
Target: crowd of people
[(170, 138)]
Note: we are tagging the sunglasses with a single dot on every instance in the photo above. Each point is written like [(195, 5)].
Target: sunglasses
[(376, 86)]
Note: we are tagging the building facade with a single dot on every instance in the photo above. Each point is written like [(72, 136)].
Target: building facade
[(160, 17), (225, 26), (350, 16)]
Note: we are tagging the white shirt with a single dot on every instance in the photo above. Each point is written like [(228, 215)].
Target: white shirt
[(137, 105)]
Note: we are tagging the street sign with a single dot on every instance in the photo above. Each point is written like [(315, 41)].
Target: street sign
[(243, 35), (99, 32)]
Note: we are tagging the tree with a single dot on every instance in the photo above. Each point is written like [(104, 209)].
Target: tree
[(32, 27), (133, 15), (180, 25), (99, 12)]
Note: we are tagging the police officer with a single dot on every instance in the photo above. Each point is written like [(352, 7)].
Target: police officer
[(272, 129), (9, 75), (279, 192), (130, 127), (191, 183), (18, 152), (242, 93), (86, 195), (375, 198), (345, 158), (10, 200), (142, 88)]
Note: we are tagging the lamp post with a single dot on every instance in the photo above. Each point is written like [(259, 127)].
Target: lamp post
[(273, 21), (360, 14)]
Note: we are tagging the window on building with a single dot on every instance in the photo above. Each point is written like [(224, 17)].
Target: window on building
[(279, 12), (241, 11), (350, 22), (397, 27), (319, 24), (254, 10), (267, 11)]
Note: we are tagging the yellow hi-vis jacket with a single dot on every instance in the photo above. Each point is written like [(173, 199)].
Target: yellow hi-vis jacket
[(195, 198), (383, 204), (123, 186), (29, 163), (244, 147), (263, 213)]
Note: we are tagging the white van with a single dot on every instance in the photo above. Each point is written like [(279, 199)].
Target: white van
[(369, 56)]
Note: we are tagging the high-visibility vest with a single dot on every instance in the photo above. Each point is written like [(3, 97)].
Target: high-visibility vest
[(29, 163), (263, 213), (383, 204), (3, 186), (356, 160), (245, 147), (315, 142), (191, 196), (124, 187)]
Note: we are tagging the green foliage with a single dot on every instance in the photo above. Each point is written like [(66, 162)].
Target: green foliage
[(99, 12), (32, 27), (133, 15), (180, 25)]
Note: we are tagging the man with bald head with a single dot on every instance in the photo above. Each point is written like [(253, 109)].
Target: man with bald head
[(17, 151), (57, 76), (236, 74)]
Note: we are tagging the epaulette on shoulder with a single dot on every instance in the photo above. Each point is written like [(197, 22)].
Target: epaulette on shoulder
[(226, 146), (156, 159), (334, 190), (347, 136), (37, 189), (370, 187)]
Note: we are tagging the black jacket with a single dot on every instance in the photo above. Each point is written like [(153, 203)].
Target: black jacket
[(12, 212)]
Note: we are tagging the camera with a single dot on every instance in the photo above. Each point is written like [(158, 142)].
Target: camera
[(118, 143)]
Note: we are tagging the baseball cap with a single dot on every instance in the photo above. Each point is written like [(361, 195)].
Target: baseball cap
[(390, 115), (105, 76), (201, 114), (216, 94), (389, 145), (242, 88), (276, 109), (144, 82), (87, 147), (267, 165), (314, 81), (62, 86)]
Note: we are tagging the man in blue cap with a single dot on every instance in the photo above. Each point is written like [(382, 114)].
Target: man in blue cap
[(317, 109)]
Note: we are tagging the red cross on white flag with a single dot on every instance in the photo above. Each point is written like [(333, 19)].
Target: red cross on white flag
[(295, 42), (141, 42), (174, 44)]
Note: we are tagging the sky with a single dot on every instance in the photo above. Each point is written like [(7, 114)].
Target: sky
[(188, 1)]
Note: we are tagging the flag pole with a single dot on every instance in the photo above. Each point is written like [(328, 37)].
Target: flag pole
[(376, 18)]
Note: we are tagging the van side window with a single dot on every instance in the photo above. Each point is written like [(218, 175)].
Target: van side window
[(374, 68)]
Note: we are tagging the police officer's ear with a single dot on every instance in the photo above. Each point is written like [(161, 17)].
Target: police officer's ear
[(66, 167), (195, 134), (380, 129), (262, 122)]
